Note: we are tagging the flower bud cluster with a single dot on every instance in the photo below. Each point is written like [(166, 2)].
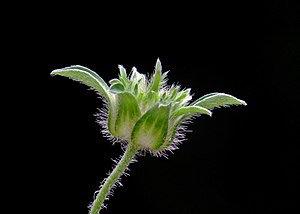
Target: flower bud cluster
[(146, 111)]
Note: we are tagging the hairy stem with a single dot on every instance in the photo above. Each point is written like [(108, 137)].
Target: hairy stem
[(113, 178)]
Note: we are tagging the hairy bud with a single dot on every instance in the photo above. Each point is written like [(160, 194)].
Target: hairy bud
[(146, 112)]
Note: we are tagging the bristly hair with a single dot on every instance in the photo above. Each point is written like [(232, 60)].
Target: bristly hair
[(179, 138), (116, 184), (102, 120)]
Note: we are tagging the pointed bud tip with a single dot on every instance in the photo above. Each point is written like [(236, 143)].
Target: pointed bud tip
[(158, 65)]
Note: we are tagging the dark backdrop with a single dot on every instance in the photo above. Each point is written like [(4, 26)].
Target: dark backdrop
[(242, 160)]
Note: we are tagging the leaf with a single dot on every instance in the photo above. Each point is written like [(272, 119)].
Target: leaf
[(191, 110), (85, 76), (136, 90), (183, 95), (114, 81), (156, 80), (117, 88), (201, 98), (158, 66), (213, 100), (137, 81), (173, 91), (150, 98), (123, 75), (135, 75)]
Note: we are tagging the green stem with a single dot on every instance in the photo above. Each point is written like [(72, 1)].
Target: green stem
[(113, 177)]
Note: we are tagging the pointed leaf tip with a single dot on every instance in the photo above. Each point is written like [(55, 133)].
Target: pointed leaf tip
[(53, 73), (213, 100), (156, 80), (85, 76), (158, 66), (123, 75)]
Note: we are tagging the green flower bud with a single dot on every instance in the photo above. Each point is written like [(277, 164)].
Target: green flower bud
[(151, 130), (123, 115), (146, 112)]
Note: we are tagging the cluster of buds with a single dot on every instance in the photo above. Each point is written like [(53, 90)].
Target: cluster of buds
[(146, 111)]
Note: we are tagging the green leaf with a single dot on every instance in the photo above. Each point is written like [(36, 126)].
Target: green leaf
[(173, 92), (136, 90), (183, 95), (123, 75), (158, 66), (191, 110), (85, 76), (114, 81), (150, 98), (117, 88), (151, 129), (213, 100), (135, 75), (128, 112), (157, 77), (205, 96)]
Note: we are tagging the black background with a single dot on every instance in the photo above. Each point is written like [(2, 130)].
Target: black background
[(242, 160)]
